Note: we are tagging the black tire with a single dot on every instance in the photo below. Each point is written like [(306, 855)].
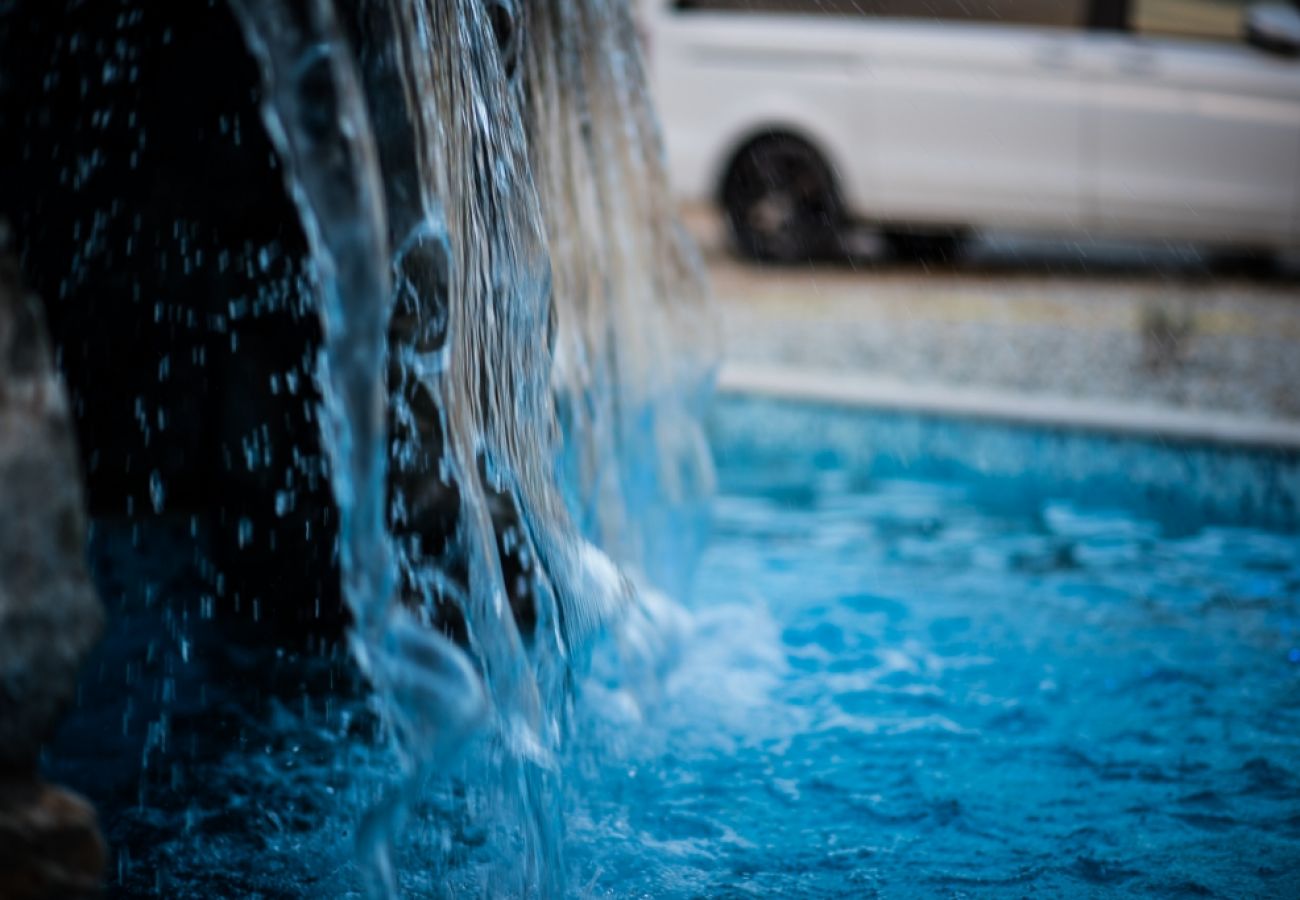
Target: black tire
[(780, 200)]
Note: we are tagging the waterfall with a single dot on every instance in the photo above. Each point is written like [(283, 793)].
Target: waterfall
[(515, 348), (635, 336)]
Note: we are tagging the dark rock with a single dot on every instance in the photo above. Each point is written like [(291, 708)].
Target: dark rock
[(49, 613), (149, 214), (50, 846)]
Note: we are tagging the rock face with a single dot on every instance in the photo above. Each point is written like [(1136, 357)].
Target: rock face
[(49, 612), (149, 215), (50, 846)]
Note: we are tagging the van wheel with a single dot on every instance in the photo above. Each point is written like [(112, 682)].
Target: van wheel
[(780, 201)]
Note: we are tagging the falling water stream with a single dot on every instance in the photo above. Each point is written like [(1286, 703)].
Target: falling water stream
[(503, 296)]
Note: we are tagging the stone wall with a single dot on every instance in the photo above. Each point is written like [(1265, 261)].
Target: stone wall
[(49, 612)]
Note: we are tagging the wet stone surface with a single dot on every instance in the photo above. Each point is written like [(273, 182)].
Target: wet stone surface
[(49, 612)]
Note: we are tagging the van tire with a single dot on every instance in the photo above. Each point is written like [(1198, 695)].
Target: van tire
[(780, 202)]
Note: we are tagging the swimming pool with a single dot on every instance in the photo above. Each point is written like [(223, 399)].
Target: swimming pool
[(923, 657), (912, 676)]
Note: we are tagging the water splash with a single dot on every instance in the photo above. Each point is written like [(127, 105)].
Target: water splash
[(481, 189)]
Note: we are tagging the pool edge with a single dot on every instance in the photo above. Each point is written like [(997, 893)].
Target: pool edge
[(1104, 417)]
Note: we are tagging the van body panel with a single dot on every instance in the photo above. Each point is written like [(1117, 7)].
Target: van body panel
[(1056, 130)]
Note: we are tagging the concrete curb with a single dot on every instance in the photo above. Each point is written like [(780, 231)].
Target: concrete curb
[(1097, 416)]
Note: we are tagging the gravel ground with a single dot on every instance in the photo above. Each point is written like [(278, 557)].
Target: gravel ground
[(1157, 326)]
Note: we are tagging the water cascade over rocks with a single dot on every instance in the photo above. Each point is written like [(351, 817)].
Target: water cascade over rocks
[(513, 354)]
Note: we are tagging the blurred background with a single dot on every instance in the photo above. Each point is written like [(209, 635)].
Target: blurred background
[(1076, 201)]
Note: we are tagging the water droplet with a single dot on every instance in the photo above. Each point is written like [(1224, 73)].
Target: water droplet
[(157, 493)]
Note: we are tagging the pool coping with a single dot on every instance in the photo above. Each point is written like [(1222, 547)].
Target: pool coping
[(847, 389)]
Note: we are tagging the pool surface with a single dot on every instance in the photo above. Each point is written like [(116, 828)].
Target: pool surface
[(907, 688), (921, 659)]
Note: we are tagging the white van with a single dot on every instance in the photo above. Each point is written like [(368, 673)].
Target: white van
[(1172, 119)]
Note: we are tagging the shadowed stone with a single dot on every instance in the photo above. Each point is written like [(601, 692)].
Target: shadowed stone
[(49, 612), (50, 846)]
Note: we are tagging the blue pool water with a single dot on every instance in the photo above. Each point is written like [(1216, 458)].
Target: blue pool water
[(910, 687), (921, 658)]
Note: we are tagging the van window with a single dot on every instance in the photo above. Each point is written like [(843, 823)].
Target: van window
[(1212, 19), (1064, 13)]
